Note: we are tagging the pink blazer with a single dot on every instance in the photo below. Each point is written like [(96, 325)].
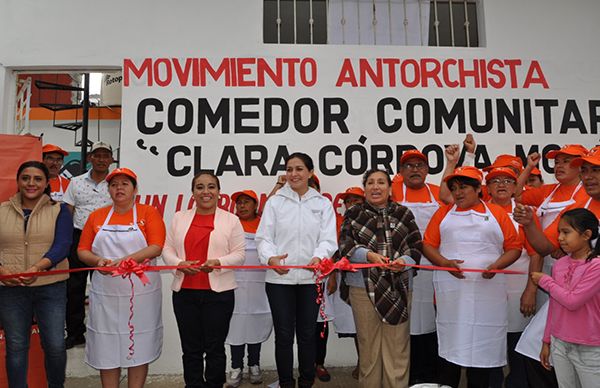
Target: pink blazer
[(226, 243)]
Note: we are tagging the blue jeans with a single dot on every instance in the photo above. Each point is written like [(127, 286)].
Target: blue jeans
[(18, 307)]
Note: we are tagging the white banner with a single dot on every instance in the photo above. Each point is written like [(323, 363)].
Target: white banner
[(241, 116)]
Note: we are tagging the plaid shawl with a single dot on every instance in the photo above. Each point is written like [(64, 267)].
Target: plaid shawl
[(392, 232)]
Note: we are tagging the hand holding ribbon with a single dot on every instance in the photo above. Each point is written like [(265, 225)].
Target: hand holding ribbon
[(129, 266)]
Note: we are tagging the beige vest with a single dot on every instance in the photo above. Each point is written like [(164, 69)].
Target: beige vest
[(20, 248)]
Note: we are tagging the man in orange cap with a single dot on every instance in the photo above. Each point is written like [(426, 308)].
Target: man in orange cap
[(53, 157)]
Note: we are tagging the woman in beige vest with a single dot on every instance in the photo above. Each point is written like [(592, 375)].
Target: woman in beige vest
[(35, 236)]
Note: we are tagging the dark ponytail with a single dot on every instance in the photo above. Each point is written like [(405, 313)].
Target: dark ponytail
[(581, 220)]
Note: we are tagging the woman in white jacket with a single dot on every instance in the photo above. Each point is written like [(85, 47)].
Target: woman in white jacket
[(297, 228)]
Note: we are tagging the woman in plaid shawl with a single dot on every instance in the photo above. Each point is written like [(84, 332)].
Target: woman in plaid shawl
[(381, 231)]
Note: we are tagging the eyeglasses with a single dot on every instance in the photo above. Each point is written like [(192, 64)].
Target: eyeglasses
[(50, 159), (415, 166), (505, 181)]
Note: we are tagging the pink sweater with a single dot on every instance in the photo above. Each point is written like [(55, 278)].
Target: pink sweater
[(574, 313)]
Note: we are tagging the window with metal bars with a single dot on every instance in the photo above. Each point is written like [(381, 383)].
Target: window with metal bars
[(372, 22)]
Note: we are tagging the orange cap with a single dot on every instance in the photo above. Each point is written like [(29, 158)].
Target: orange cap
[(412, 154), (535, 171), (568, 149), (499, 171), (121, 171), (352, 191), (467, 172), (48, 148), (592, 157), (249, 193), (506, 160)]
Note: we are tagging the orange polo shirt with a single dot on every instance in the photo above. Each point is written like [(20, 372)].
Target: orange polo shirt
[(528, 247), (417, 196), (551, 231), (149, 221), (250, 226), (511, 238), (56, 183), (534, 196)]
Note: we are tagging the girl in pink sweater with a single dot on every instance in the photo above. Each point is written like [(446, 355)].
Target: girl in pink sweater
[(572, 332)]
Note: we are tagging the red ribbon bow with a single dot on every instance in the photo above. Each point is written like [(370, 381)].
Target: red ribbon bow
[(327, 266), (129, 266)]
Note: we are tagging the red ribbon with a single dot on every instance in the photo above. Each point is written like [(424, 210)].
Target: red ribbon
[(325, 267), (346, 266), (125, 269)]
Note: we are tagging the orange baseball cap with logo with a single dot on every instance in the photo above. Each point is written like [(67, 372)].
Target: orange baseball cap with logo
[(352, 191), (466, 172), (121, 171), (412, 154), (500, 171), (506, 160), (592, 157), (568, 149), (48, 148), (249, 193), (535, 171)]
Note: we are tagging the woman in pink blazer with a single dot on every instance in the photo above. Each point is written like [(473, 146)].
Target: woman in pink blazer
[(203, 299)]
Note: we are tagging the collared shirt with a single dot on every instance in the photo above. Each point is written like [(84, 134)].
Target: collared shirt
[(85, 195)]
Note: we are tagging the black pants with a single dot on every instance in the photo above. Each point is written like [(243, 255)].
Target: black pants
[(203, 321), (517, 375), (476, 377), (76, 285), (237, 355), (294, 310), (538, 376), (321, 342), (424, 359)]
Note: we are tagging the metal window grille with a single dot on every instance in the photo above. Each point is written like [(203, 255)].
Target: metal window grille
[(372, 22)]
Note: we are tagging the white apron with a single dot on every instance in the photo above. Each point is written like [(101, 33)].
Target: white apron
[(58, 195), (251, 322), (515, 285), (472, 314), (343, 319), (107, 338), (547, 213), (530, 343), (422, 310)]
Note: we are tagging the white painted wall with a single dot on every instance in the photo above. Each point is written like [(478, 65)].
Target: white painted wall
[(88, 35)]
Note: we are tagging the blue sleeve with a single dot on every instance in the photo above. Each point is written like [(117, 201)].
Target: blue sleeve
[(359, 255), (63, 236)]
